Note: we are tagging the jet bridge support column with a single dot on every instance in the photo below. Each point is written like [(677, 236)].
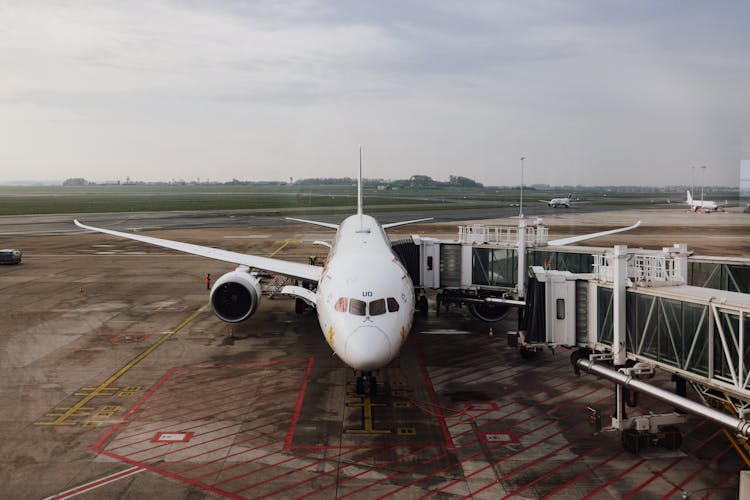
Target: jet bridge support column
[(521, 258), (620, 278)]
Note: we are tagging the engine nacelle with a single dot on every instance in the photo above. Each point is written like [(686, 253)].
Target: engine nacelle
[(235, 296)]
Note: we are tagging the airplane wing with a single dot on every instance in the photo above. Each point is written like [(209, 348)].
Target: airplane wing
[(403, 222), (293, 269), (314, 222), (583, 237)]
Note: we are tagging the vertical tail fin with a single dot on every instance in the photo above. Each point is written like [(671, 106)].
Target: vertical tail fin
[(689, 197), (359, 184)]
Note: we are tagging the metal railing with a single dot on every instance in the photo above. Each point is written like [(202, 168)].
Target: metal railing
[(643, 269), (506, 235)]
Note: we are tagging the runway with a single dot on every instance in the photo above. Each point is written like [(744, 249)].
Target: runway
[(119, 382)]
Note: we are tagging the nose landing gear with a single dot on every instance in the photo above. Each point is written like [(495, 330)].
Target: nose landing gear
[(366, 384)]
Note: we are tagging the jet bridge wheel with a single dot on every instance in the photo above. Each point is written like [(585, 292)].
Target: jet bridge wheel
[(422, 305), (299, 306), (489, 313)]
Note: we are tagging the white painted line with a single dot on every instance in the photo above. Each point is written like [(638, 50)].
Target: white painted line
[(248, 237), (96, 483), (446, 332)]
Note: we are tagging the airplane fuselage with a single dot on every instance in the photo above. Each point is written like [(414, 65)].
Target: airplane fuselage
[(365, 297)]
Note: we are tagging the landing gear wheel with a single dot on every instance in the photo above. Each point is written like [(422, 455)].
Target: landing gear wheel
[(670, 437), (633, 441), (360, 385), (299, 306), (422, 305)]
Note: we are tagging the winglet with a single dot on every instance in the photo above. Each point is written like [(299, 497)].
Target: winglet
[(584, 237)]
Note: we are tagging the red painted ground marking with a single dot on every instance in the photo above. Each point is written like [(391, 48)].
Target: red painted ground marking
[(144, 434), (197, 444), (298, 407), (558, 468), (466, 459), (287, 473), (96, 483), (680, 486), (616, 478), (129, 338), (661, 472), (726, 478), (269, 391), (493, 447), (583, 474), (251, 394), (172, 437), (212, 413), (433, 396), (591, 470), (335, 473)]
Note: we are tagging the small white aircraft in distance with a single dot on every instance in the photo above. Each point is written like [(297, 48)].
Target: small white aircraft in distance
[(701, 206), (559, 202), (364, 296)]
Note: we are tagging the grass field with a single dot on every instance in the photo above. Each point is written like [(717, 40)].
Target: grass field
[(139, 198)]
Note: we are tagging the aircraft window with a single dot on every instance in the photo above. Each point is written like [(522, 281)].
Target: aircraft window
[(342, 304), (377, 307), (357, 307), (392, 304)]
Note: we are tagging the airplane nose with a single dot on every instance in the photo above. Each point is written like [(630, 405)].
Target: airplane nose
[(368, 348)]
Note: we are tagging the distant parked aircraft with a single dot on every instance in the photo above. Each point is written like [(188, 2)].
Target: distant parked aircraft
[(559, 202), (698, 205)]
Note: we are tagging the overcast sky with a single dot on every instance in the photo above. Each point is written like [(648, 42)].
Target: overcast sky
[(590, 92)]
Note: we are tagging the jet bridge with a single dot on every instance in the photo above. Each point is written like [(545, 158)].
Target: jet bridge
[(635, 314), (482, 266)]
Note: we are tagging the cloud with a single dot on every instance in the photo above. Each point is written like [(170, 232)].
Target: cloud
[(592, 92)]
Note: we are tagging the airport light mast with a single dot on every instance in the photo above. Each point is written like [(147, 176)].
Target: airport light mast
[(692, 181), (520, 206), (703, 183)]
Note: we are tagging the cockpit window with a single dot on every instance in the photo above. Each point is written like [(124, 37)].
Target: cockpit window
[(342, 304), (357, 307), (392, 305), (377, 307)]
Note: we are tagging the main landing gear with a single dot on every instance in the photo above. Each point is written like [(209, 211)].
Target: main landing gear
[(366, 384)]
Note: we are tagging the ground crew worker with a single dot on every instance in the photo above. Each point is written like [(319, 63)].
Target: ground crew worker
[(208, 281)]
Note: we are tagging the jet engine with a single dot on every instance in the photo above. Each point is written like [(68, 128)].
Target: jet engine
[(235, 296)]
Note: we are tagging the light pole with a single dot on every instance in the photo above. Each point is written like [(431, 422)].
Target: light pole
[(692, 181), (520, 206), (703, 182)]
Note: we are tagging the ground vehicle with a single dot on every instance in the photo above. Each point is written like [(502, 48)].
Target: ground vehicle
[(9, 256)]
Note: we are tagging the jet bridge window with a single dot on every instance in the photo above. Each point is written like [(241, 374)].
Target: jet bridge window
[(357, 307), (342, 304), (392, 304), (377, 307)]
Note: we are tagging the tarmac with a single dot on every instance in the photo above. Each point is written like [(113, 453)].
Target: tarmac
[(119, 382)]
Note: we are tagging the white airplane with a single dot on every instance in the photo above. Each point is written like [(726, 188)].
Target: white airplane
[(364, 296), (698, 205), (559, 202)]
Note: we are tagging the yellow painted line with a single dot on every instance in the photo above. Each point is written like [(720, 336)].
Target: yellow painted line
[(105, 386), (280, 248)]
